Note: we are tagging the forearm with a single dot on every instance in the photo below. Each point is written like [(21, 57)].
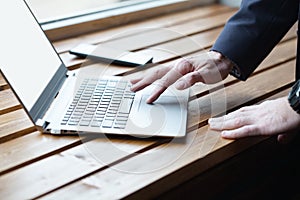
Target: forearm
[(251, 34)]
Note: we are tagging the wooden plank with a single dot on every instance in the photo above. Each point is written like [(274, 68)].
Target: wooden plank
[(149, 38), (164, 51), (242, 92), (181, 47), (165, 162), (42, 176), (292, 33), (3, 84), (95, 24), (170, 50), (254, 88), (15, 124), (8, 102), (186, 46), (283, 52), (31, 148), (157, 22), (60, 162), (221, 177), (200, 42)]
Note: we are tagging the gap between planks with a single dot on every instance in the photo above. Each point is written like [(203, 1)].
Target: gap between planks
[(233, 101)]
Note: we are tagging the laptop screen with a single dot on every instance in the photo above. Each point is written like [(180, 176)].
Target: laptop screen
[(27, 59)]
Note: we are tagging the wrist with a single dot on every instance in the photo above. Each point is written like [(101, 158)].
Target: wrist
[(294, 97), (222, 62)]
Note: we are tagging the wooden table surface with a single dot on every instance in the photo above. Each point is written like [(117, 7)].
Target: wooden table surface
[(36, 165)]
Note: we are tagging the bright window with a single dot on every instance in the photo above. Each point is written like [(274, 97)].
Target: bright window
[(52, 10), (67, 18)]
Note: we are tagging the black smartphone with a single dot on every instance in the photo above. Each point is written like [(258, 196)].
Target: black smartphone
[(107, 54)]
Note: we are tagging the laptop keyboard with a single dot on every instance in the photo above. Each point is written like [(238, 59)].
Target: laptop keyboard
[(100, 103)]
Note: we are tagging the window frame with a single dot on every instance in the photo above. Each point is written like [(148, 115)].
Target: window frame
[(96, 21)]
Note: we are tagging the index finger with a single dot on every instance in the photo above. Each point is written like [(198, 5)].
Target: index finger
[(142, 82), (181, 68)]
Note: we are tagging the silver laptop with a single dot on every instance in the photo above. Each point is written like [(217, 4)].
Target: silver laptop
[(60, 101)]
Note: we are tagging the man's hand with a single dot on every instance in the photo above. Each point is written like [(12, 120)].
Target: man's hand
[(269, 118), (208, 68)]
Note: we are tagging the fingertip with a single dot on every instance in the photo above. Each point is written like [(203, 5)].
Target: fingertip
[(180, 85), (285, 138), (134, 81), (133, 88), (224, 134), (209, 120), (138, 86), (150, 100), (215, 120), (211, 123), (212, 120), (227, 135), (153, 97)]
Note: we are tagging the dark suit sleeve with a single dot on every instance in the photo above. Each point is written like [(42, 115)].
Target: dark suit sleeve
[(250, 35)]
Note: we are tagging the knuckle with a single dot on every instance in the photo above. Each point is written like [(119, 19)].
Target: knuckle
[(250, 130), (184, 66), (156, 72), (238, 122), (194, 76), (190, 80), (243, 109)]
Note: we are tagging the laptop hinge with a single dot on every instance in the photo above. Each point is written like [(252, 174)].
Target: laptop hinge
[(41, 124), (70, 73)]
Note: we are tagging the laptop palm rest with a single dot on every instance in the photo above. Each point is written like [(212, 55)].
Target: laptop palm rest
[(165, 117)]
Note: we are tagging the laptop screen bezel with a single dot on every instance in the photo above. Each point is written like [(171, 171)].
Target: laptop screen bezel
[(49, 93)]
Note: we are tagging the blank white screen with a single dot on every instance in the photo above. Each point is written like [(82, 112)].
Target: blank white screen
[(27, 58)]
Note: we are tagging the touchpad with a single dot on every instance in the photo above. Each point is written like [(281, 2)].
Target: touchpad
[(167, 114)]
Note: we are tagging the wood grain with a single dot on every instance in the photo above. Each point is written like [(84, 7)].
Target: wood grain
[(3, 84), (67, 166), (197, 143), (164, 51), (283, 52), (8, 102), (24, 150), (149, 37), (112, 167), (167, 160), (170, 50), (96, 24), (15, 124), (157, 22)]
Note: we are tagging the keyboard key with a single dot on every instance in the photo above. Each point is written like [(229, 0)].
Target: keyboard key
[(109, 118), (100, 101), (107, 123), (96, 123), (125, 105), (72, 123), (99, 118), (120, 126), (121, 119), (84, 123), (111, 84)]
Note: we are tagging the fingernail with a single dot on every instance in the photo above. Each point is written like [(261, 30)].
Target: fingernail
[(149, 100), (211, 124), (132, 89), (180, 85), (224, 133)]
